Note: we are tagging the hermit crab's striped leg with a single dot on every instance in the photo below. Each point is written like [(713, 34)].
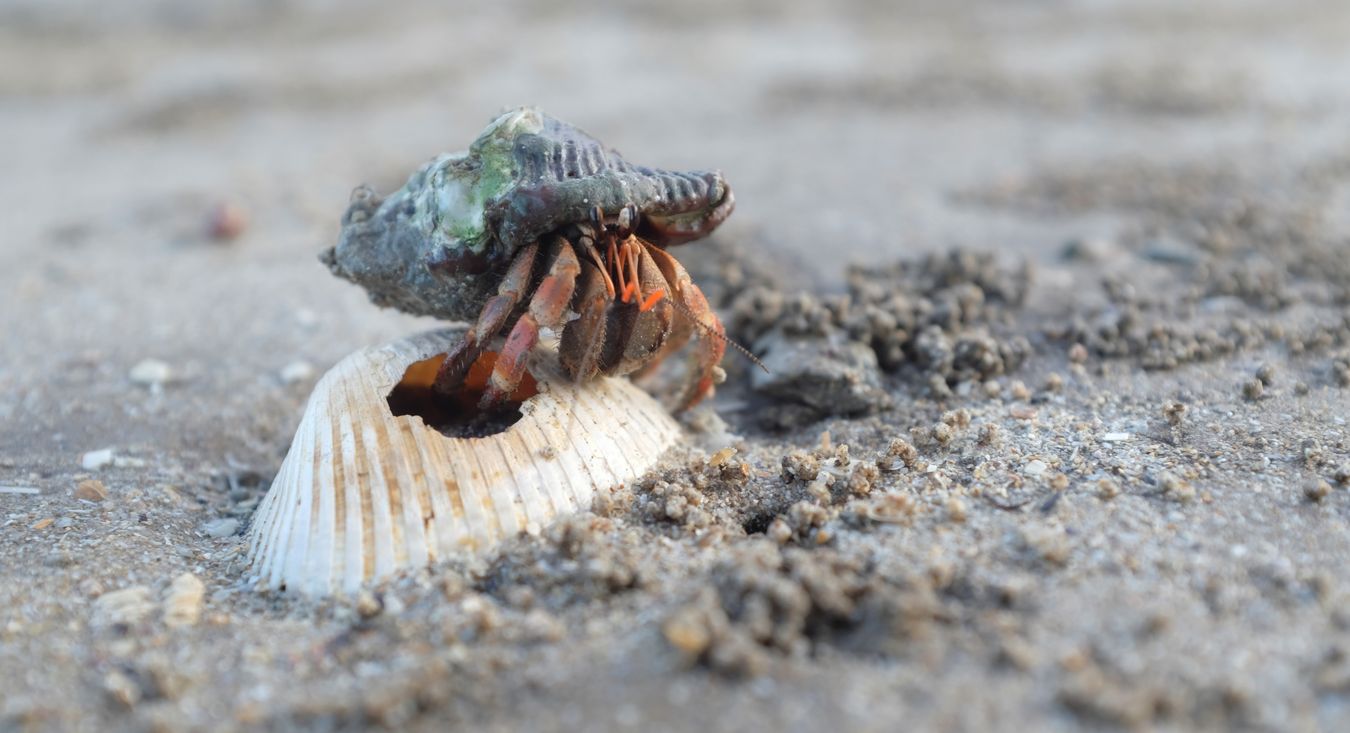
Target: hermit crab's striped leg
[(583, 339), (649, 315), (696, 312), (548, 308), (491, 319)]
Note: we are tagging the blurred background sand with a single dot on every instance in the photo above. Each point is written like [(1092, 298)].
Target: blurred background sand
[(853, 132)]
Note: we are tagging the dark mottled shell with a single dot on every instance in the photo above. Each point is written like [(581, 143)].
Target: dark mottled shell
[(436, 246), (562, 173)]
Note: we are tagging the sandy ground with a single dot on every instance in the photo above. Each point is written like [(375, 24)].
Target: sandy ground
[(1112, 494)]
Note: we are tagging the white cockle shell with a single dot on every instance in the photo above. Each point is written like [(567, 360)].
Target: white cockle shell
[(363, 493)]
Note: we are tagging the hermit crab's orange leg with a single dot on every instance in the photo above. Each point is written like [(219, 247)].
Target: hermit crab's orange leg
[(614, 259), (627, 267), (548, 308), (491, 319), (694, 313)]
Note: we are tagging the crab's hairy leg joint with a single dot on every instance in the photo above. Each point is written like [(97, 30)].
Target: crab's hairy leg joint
[(583, 338), (511, 363), (491, 319), (548, 307), (554, 294)]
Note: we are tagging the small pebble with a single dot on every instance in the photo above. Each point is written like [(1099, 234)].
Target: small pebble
[(901, 449), (958, 419), (1176, 488), (989, 434), (942, 433), (1316, 489), (1117, 437), (1313, 454), (96, 459), (686, 632), (296, 371), (367, 605), (1018, 653), (1253, 388), (123, 607), (1089, 250), (43, 523), (221, 528), (227, 221), (721, 456), (1342, 474), (1078, 353), (1266, 373), (183, 601), (938, 387), (1108, 488), (151, 373), (1034, 467), (91, 490), (122, 688), (956, 509)]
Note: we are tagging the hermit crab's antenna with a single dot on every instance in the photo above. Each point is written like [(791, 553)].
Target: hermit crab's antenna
[(719, 335)]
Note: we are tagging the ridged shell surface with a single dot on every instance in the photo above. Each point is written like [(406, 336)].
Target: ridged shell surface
[(363, 493)]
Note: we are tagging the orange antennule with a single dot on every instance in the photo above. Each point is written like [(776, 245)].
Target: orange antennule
[(651, 301)]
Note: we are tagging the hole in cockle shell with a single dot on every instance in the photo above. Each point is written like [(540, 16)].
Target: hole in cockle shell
[(457, 416)]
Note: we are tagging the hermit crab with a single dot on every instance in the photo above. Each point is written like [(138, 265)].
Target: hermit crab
[(538, 226)]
